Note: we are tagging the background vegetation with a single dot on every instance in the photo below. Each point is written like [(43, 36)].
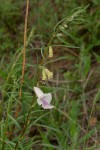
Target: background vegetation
[(74, 123)]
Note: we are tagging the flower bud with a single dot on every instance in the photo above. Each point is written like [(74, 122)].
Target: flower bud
[(50, 51), (46, 74), (49, 73), (65, 25), (44, 77)]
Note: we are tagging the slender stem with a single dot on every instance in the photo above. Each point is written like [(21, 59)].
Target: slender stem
[(24, 55), (24, 61)]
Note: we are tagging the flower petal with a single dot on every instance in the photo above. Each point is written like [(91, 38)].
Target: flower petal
[(39, 101), (48, 97), (46, 105), (38, 92)]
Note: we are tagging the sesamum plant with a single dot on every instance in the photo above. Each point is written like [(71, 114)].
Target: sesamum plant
[(20, 116)]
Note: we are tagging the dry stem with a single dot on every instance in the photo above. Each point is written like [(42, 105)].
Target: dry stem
[(24, 55)]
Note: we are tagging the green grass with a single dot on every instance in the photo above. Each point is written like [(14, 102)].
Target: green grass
[(74, 122)]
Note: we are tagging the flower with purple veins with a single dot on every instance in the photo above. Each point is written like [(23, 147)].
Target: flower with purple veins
[(43, 99)]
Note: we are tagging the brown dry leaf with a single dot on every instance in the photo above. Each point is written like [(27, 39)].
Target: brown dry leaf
[(92, 121)]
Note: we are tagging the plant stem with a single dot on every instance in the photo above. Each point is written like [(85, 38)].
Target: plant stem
[(24, 56)]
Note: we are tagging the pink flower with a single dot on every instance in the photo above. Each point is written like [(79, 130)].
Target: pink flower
[(43, 99)]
